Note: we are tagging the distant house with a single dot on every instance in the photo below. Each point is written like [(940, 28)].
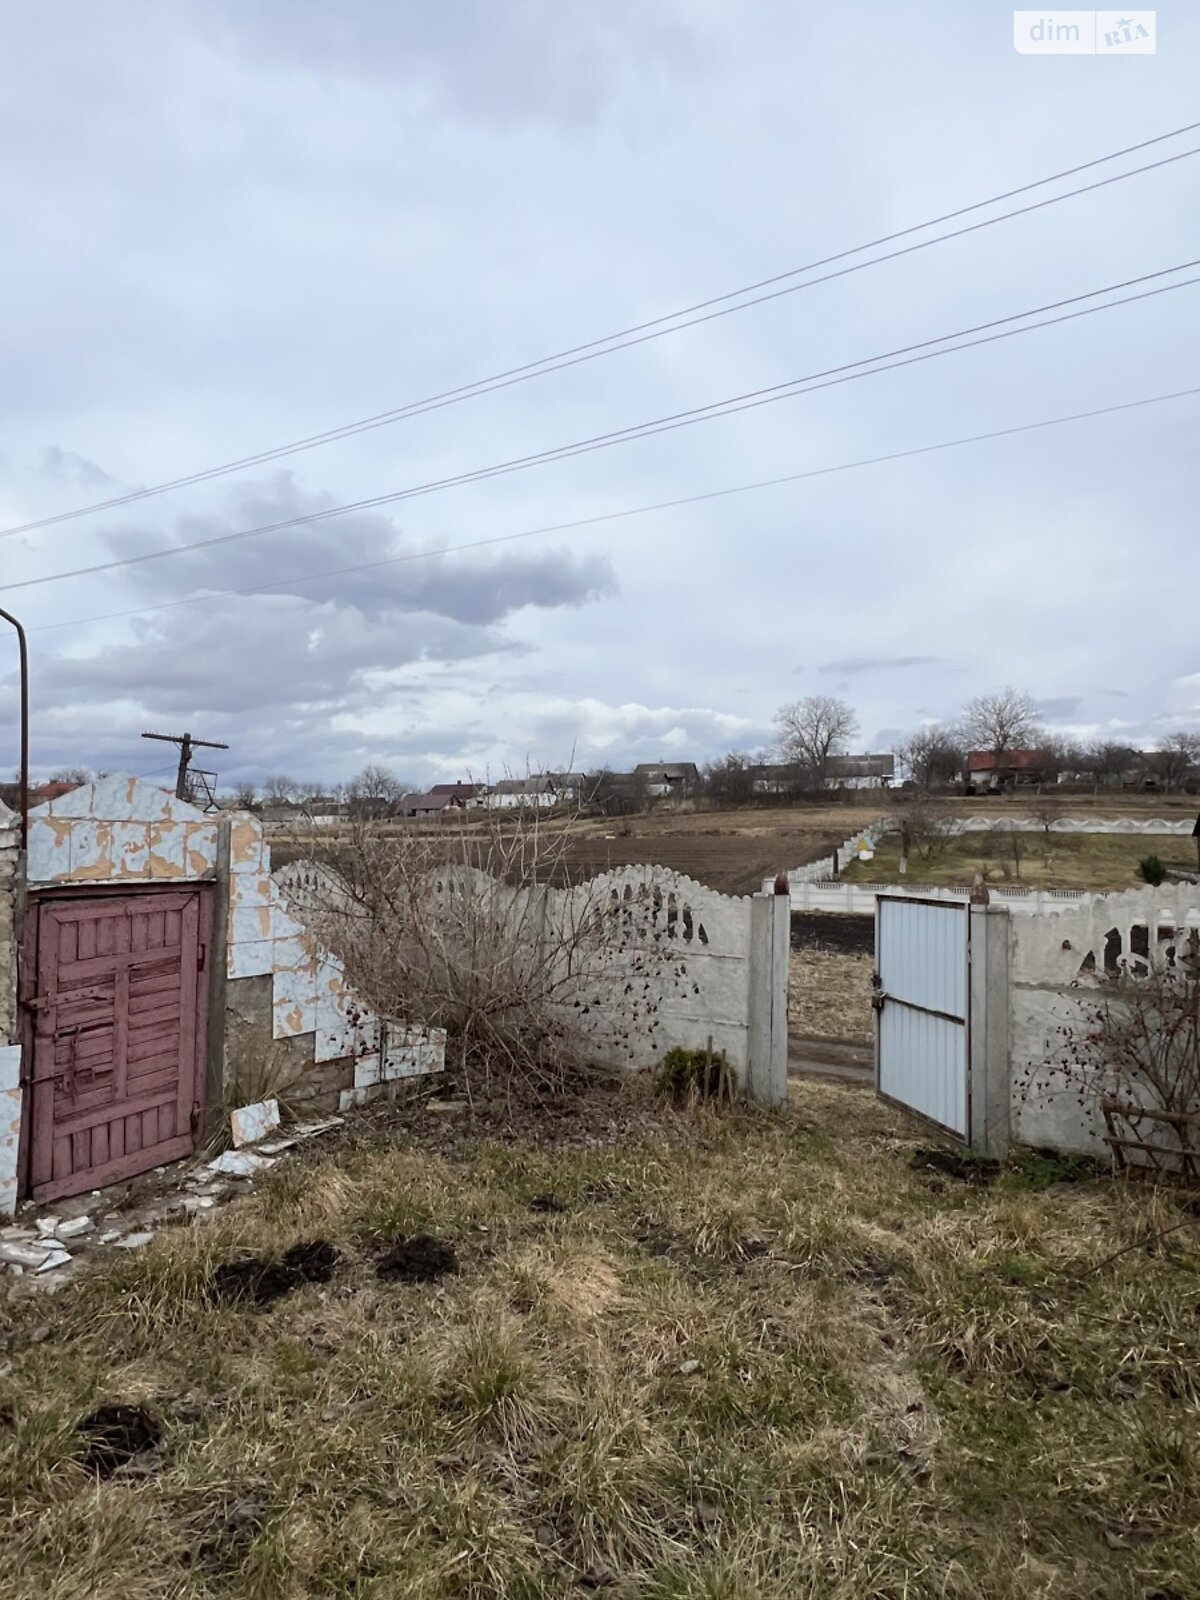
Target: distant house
[(991, 772), (470, 794), (860, 772), (769, 778), (541, 792), (660, 778), (429, 805)]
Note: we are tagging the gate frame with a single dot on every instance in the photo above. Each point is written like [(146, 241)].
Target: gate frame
[(35, 899), (986, 1025), (879, 998)]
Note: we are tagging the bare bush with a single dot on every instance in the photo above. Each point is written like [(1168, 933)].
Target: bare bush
[(466, 932), (923, 825)]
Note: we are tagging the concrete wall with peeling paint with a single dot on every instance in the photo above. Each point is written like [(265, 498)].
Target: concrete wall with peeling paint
[(291, 1024)]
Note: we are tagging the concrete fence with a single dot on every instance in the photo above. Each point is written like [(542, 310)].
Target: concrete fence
[(1059, 824), (1035, 984), (856, 898), (654, 960)]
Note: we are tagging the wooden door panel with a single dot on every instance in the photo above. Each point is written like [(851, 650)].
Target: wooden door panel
[(118, 1039)]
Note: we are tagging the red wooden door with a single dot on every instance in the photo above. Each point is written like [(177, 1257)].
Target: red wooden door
[(119, 1032)]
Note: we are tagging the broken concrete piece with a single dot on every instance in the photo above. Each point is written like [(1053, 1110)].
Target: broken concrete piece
[(240, 1163), (445, 1105), (276, 1147), (135, 1241), (198, 1202), (25, 1255), (56, 1258), (72, 1227), (46, 1226), (249, 1124), (309, 1130), (109, 1237)]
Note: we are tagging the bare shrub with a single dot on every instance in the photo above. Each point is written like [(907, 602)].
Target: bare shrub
[(923, 825), (466, 931)]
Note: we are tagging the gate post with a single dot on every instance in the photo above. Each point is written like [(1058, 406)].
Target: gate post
[(770, 938), (988, 1022)]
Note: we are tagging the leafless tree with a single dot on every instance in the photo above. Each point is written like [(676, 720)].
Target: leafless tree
[(245, 793), (374, 792), (1106, 761), (72, 775), (813, 729), (279, 788), (933, 755), (1046, 810), (729, 781), (610, 793), (923, 826), (1176, 759), (1001, 722)]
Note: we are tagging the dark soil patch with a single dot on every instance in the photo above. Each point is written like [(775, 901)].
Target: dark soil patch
[(546, 1203), (975, 1170), (261, 1282), (420, 1259), (254, 1280), (312, 1261), (113, 1435), (838, 931)]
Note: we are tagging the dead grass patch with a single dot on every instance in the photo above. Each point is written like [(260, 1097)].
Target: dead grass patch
[(760, 1358)]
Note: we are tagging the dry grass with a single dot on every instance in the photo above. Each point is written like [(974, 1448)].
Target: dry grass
[(903, 1386), (1101, 861), (829, 995)]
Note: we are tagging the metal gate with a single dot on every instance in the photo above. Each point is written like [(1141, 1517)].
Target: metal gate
[(118, 1036), (922, 957)]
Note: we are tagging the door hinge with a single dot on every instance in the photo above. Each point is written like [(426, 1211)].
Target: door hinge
[(200, 950)]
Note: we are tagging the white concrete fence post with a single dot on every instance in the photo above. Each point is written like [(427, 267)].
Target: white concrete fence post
[(770, 934), (988, 1038)]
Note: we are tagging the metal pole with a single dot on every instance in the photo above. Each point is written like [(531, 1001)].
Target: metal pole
[(23, 800)]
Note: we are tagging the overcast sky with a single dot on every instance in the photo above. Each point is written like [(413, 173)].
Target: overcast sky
[(232, 224)]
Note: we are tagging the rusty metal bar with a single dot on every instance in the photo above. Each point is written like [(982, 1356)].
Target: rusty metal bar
[(23, 800)]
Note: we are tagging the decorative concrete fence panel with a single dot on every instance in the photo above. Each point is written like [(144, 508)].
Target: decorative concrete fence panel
[(1056, 964), (638, 960)]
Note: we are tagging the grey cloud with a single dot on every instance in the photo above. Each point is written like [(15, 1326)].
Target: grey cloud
[(259, 652), (852, 664), (515, 64), (470, 587), (66, 468), (1058, 707)]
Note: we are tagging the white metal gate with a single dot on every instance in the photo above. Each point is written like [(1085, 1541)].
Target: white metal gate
[(922, 956)]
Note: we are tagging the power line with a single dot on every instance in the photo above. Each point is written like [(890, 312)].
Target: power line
[(281, 585), (868, 366), (655, 328)]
